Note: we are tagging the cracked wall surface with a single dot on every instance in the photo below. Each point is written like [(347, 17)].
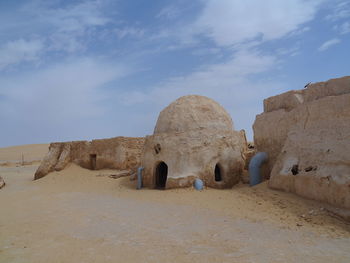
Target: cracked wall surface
[(307, 136)]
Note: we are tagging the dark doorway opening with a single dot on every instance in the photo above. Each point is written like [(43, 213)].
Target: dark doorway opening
[(295, 169), (93, 161), (161, 175), (218, 177)]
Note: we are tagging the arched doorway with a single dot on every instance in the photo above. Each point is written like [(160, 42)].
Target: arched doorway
[(161, 175), (218, 176)]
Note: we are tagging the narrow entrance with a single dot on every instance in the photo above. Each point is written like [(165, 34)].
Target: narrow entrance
[(218, 177), (161, 175), (93, 161)]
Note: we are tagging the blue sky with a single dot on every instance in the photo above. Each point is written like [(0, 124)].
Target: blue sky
[(76, 70)]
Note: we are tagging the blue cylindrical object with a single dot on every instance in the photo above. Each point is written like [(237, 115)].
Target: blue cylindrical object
[(254, 167), (198, 184), (139, 177)]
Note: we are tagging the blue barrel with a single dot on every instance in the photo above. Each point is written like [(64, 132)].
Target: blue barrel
[(198, 184)]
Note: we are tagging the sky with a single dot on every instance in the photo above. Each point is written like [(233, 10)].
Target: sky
[(79, 70)]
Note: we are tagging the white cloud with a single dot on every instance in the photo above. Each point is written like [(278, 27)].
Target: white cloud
[(292, 51), (339, 11), (15, 52), (37, 27), (205, 51), (216, 76), (326, 45), (129, 32), (344, 28), (65, 90), (64, 26), (66, 42), (61, 100), (231, 84), (169, 12), (299, 31), (71, 25), (230, 22), (72, 18)]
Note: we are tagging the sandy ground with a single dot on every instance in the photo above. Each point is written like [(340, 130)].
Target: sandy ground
[(78, 215), (29, 154)]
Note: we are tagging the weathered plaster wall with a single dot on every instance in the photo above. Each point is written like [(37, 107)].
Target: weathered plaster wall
[(195, 154), (115, 153), (307, 136), (193, 135)]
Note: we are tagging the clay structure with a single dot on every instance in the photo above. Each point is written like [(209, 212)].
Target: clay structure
[(122, 153), (306, 134), (193, 138)]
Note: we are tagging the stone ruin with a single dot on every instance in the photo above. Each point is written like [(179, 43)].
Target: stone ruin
[(306, 134), (193, 138), (122, 153)]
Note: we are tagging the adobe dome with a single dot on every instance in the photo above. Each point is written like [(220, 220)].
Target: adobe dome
[(193, 112)]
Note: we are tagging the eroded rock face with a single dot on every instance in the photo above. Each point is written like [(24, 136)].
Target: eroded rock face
[(49, 162), (307, 136), (123, 153), (194, 138)]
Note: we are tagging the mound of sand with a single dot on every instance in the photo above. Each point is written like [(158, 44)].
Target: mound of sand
[(27, 154)]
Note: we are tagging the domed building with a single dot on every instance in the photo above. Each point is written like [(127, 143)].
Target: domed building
[(193, 138)]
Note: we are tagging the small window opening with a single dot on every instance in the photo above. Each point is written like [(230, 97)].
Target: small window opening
[(218, 176), (310, 168), (161, 175), (93, 161)]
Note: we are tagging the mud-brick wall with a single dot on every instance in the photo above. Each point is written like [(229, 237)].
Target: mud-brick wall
[(306, 134), (115, 153)]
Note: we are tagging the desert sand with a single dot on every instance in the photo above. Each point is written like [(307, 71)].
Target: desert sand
[(78, 215), (31, 153)]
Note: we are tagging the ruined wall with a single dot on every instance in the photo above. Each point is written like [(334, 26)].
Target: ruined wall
[(114, 153), (307, 136)]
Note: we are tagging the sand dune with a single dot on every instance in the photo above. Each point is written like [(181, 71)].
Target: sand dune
[(29, 153), (78, 215)]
